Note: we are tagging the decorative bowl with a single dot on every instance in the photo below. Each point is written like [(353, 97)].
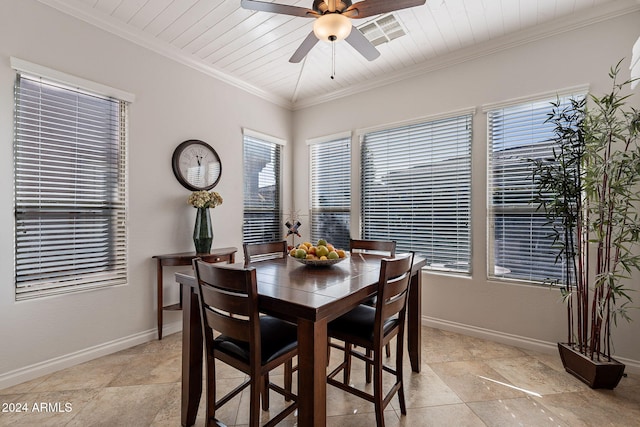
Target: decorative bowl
[(318, 262)]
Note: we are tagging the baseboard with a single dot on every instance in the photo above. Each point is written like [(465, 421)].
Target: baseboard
[(631, 366), (36, 370)]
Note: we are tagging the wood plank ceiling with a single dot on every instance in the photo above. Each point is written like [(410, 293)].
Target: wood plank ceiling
[(251, 49)]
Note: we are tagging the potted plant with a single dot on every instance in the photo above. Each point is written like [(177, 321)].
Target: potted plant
[(589, 191)]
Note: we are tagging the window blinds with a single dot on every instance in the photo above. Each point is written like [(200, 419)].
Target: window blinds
[(331, 191), (519, 246), (70, 189), (416, 189), (262, 201)]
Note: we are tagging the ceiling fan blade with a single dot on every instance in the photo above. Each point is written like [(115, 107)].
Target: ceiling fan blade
[(278, 8), (362, 45), (304, 48), (368, 8)]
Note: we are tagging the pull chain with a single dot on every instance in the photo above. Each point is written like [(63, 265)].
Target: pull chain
[(333, 56)]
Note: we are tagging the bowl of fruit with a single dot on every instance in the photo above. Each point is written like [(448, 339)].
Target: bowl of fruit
[(320, 255)]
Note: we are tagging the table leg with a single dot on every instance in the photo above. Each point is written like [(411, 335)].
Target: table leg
[(159, 296), (414, 315), (312, 372), (191, 356)]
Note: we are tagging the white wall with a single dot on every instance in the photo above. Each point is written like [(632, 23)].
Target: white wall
[(528, 315), (173, 103)]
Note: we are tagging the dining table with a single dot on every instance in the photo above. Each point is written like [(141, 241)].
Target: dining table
[(310, 297)]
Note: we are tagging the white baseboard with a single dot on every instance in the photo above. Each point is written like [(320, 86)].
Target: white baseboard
[(631, 366), (36, 370)]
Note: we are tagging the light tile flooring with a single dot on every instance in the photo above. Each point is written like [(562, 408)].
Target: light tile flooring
[(464, 382)]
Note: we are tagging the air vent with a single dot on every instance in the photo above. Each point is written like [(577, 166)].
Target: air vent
[(382, 30)]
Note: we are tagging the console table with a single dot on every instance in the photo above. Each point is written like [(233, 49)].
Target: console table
[(180, 259)]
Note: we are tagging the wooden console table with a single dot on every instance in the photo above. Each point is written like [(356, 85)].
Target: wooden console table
[(185, 258)]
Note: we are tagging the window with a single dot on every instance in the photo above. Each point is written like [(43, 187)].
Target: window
[(70, 188), (416, 189), (519, 246), (331, 191), (262, 201)]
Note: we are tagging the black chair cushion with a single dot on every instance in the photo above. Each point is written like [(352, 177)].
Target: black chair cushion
[(277, 338), (359, 322)]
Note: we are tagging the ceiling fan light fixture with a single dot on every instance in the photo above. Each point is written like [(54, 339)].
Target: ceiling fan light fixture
[(332, 27)]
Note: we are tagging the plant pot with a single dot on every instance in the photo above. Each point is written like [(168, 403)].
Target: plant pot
[(594, 373)]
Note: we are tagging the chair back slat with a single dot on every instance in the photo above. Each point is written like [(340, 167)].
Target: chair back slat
[(260, 251), (229, 278), (387, 246), (234, 327), (224, 300), (393, 287)]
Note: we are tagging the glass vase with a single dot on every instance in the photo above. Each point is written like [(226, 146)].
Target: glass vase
[(203, 231)]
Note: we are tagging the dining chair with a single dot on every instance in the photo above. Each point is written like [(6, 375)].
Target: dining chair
[(261, 251), (372, 328), (386, 247), (252, 343)]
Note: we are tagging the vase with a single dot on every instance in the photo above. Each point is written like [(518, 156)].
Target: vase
[(203, 231), (596, 374)]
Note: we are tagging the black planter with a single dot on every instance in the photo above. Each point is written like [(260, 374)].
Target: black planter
[(594, 373)]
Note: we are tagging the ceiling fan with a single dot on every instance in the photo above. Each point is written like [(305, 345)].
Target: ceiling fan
[(333, 21)]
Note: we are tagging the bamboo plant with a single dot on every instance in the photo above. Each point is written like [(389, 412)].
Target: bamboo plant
[(590, 192)]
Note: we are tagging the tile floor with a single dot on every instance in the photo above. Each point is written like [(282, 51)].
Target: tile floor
[(464, 381)]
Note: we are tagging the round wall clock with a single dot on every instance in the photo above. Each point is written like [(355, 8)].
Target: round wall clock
[(196, 165)]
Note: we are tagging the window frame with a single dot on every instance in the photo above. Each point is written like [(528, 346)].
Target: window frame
[(520, 209), (276, 144), (462, 114), (316, 208), (40, 271)]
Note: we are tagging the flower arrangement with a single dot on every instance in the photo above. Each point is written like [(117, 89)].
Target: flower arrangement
[(204, 199)]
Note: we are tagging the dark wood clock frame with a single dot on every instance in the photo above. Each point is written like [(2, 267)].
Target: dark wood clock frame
[(175, 164)]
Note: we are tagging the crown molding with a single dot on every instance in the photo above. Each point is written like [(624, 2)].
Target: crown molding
[(559, 26), (84, 13), (565, 24)]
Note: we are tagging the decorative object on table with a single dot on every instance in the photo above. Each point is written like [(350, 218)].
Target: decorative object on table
[(196, 165), (203, 229), (589, 192), (318, 262), (293, 225), (292, 228), (323, 254)]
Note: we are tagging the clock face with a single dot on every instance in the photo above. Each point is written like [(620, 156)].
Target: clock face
[(196, 165)]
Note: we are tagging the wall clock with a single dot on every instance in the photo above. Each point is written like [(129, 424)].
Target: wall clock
[(196, 165)]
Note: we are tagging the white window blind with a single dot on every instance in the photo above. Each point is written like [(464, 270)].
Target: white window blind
[(262, 201), (331, 191), (70, 189), (416, 190), (519, 243)]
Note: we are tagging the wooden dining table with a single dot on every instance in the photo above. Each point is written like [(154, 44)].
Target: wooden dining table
[(310, 297)]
